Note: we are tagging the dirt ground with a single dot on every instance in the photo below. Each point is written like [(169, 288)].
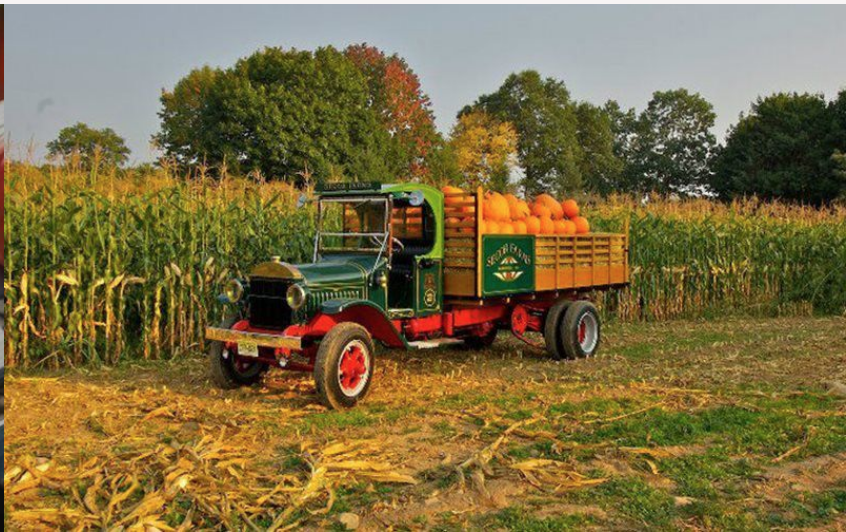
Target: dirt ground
[(729, 425)]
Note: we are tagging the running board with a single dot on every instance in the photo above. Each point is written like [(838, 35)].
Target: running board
[(436, 342)]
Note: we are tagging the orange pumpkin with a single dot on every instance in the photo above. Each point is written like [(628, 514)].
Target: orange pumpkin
[(550, 203), (496, 208), (570, 208), (519, 227), (505, 228), (448, 190), (540, 210), (491, 227), (582, 225), (559, 227), (533, 225), (569, 227), (519, 210), (547, 227)]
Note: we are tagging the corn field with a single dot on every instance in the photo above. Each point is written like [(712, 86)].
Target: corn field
[(102, 267)]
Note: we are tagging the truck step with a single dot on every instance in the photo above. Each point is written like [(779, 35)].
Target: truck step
[(436, 342)]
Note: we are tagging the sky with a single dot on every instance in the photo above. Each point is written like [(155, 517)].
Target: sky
[(106, 66)]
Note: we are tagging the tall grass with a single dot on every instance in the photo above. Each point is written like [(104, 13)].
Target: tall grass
[(700, 258), (98, 268), (101, 267)]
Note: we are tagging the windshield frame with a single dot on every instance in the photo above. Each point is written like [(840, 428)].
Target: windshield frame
[(384, 236)]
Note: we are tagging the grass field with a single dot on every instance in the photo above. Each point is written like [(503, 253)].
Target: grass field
[(736, 424)]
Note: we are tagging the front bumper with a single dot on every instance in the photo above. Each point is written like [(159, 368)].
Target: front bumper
[(260, 339)]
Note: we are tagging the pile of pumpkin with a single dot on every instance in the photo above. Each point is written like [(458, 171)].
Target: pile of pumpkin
[(506, 214)]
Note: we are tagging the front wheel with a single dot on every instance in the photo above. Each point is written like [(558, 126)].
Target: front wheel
[(580, 330), (228, 370), (343, 370)]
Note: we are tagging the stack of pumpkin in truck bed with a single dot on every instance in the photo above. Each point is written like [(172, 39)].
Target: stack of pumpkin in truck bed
[(506, 214), (498, 244)]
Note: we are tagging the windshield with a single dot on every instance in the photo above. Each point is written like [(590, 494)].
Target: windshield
[(347, 225)]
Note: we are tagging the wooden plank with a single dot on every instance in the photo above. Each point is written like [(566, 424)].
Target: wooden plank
[(479, 217)]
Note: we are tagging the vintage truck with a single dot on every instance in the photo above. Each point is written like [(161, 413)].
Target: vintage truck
[(408, 267)]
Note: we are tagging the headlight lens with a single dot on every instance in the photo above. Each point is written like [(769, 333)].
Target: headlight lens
[(234, 291), (296, 296)]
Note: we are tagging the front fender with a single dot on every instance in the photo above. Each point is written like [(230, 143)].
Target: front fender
[(368, 315)]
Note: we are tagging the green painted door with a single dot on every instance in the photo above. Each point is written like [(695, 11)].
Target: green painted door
[(428, 291)]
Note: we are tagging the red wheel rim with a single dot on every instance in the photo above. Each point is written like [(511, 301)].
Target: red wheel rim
[(587, 333), (353, 368)]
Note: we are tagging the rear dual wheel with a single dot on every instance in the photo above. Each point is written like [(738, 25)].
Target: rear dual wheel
[(572, 330)]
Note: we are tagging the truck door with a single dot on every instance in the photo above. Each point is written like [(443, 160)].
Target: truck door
[(414, 287), (428, 277)]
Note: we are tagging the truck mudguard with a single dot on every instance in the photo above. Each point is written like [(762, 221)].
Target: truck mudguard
[(368, 315)]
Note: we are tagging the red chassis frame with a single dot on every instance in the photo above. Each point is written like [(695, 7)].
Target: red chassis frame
[(460, 321)]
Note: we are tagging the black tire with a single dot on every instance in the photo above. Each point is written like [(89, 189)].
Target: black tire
[(580, 330), (225, 373), (552, 339), (335, 388), (481, 342)]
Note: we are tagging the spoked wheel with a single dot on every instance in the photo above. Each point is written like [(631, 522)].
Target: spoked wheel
[(580, 330), (343, 370), (228, 370)]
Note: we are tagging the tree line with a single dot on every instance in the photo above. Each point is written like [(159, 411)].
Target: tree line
[(362, 114)]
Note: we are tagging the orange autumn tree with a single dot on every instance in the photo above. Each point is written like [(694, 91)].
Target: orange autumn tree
[(485, 149), (403, 107)]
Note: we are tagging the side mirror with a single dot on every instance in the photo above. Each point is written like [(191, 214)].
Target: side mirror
[(302, 200), (415, 199)]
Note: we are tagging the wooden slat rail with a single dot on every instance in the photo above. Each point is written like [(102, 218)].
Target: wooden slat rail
[(594, 260), (462, 244)]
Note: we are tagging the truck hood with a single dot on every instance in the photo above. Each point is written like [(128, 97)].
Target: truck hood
[(343, 272), (348, 271)]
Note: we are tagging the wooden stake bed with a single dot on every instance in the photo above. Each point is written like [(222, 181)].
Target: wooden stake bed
[(477, 266)]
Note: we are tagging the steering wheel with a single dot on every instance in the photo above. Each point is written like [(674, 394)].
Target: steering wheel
[(394, 242)]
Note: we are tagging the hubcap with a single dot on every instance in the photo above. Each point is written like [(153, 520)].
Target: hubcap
[(588, 333), (354, 368)]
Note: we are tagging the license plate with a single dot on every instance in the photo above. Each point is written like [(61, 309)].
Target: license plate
[(246, 349)]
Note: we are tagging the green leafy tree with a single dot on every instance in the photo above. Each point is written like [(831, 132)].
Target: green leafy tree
[(625, 128), (280, 112), (599, 165), (547, 125), (787, 148), (183, 135), (442, 164), (673, 144), (91, 146), (404, 110)]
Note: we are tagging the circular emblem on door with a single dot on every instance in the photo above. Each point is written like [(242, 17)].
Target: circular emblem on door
[(430, 298)]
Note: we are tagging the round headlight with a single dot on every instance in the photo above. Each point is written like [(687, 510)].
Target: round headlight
[(234, 291), (296, 296)]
